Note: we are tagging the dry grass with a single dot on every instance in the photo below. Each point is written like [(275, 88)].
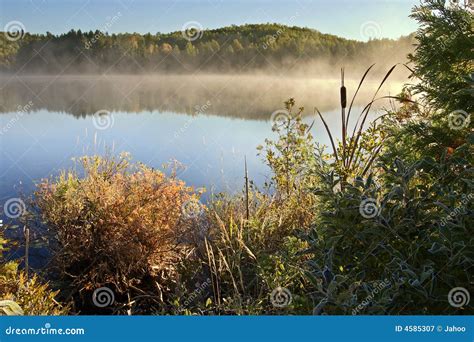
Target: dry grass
[(117, 226)]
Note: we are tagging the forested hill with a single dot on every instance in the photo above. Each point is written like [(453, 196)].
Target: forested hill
[(234, 48)]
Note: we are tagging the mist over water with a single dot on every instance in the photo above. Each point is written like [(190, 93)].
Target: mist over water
[(207, 122), (240, 96)]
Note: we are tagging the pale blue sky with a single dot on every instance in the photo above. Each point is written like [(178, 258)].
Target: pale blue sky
[(344, 18)]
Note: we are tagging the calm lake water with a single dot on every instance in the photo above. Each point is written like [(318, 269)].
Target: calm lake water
[(209, 123)]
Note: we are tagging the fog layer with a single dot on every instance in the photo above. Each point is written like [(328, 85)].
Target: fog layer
[(239, 95)]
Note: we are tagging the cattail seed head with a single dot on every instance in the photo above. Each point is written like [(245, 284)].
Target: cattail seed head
[(343, 91), (343, 97)]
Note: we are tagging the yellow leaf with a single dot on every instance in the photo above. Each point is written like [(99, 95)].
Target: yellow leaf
[(208, 302)]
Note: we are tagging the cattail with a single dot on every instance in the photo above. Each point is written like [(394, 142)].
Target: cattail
[(343, 116), (343, 91), (246, 190), (26, 231)]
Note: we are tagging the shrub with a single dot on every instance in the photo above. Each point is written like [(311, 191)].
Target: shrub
[(119, 225), (291, 153), (443, 56), (291, 157), (401, 233)]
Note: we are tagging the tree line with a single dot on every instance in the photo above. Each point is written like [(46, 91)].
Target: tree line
[(233, 48)]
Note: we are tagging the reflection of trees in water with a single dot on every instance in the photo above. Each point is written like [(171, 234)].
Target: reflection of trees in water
[(247, 97)]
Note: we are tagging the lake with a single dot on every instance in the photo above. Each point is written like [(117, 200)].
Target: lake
[(208, 123)]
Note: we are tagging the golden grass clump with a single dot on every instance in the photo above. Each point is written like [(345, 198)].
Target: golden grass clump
[(116, 224)]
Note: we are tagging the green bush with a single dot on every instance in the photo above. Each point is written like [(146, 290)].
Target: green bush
[(412, 232), (443, 56)]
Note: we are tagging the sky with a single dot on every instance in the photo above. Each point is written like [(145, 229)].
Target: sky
[(354, 19)]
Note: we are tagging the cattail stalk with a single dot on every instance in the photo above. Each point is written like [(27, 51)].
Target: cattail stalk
[(27, 250), (343, 114), (246, 190)]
